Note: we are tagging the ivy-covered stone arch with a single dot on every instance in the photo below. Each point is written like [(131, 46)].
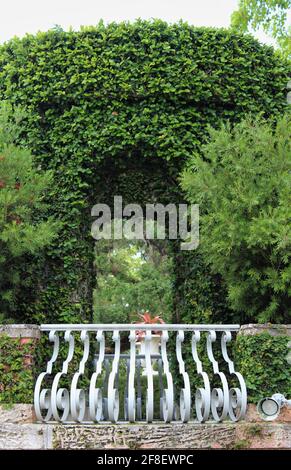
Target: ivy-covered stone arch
[(118, 109)]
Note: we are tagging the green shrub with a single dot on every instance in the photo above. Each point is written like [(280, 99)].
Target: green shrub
[(261, 359)]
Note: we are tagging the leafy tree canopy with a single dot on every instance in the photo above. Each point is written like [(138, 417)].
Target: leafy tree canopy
[(271, 15), (132, 278), (243, 184)]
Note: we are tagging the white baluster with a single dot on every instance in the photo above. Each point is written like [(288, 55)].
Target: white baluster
[(219, 397), (60, 398), (185, 393), (131, 403), (69, 338), (42, 398), (238, 396), (78, 396), (202, 395), (95, 394), (149, 373), (113, 394), (54, 338), (168, 394)]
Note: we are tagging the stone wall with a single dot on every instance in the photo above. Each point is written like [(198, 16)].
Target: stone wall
[(18, 430)]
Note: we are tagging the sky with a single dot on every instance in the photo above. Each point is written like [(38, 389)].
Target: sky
[(18, 17)]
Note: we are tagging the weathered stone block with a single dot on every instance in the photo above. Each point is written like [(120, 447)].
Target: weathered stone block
[(143, 436), (17, 414), (21, 331), (273, 330), (25, 436)]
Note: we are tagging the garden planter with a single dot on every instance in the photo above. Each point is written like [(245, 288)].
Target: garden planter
[(154, 348)]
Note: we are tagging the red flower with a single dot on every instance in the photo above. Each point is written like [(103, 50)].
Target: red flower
[(148, 320)]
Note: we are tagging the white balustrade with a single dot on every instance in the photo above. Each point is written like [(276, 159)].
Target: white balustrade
[(96, 373)]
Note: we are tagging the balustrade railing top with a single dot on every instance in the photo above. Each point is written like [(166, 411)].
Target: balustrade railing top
[(134, 326), (158, 372)]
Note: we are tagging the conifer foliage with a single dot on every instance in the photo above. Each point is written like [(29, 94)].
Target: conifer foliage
[(23, 230), (242, 181)]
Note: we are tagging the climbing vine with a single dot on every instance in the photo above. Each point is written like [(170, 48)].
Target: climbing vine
[(16, 370), (261, 359)]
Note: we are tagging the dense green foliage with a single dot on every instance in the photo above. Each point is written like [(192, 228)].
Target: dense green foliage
[(22, 231), (261, 359), (16, 374), (242, 181), (271, 15), (119, 109), (132, 278)]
